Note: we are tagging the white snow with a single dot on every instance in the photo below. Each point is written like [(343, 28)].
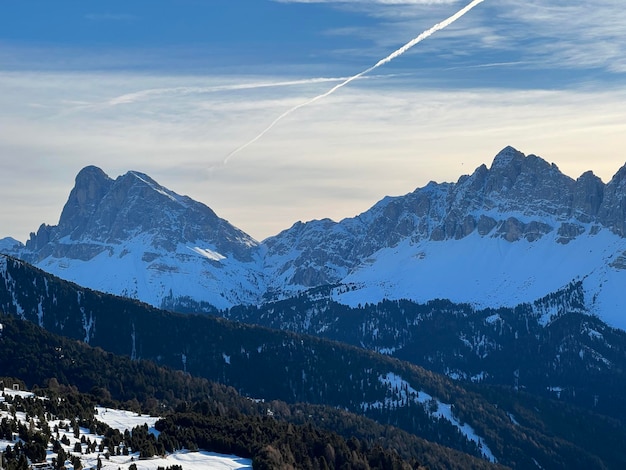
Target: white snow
[(512, 418), (557, 390), (197, 461), (122, 420), (210, 254), (159, 189), (490, 272), (485, 271), (400, 392), (477, 378), (17, 393), (136, 269)]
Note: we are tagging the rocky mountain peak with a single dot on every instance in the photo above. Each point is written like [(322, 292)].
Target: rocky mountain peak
[(165, 237), (91, 185), (526, 179), (507, 157), (147, 187), (102, 212), (588, 195), (619, 179)]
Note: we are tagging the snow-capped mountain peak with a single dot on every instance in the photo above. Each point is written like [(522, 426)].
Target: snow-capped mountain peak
[(134, 237), (513, 231)]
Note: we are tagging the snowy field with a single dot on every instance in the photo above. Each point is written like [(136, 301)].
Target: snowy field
[(188, 460), (17, 393), (123, 420), (491, 272)]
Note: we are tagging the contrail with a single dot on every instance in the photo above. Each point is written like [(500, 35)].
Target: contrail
[(389, 58)]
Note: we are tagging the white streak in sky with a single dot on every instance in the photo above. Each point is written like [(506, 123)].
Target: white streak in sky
[(389, 58), (144, 94)]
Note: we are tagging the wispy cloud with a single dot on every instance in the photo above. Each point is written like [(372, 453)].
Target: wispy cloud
[(561, 34), (384, 135), (397, 53), (160, 92), (110, 17), (333, 159), (573, 33)]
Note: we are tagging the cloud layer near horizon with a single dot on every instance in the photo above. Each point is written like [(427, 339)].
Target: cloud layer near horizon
[(333, 159)]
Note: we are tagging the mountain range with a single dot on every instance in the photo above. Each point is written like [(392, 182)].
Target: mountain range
[(483, 315), (505, 235)]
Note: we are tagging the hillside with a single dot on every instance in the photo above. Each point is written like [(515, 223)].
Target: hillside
[(38, 357), (101, 444), (305, 369), (65, 429), (550, 347)]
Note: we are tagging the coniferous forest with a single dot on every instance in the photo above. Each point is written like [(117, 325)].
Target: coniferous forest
[(203, 368)]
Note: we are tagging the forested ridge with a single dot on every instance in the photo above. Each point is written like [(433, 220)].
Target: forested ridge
[(297, 376), (269, 442), (68, 367), (550, 348)]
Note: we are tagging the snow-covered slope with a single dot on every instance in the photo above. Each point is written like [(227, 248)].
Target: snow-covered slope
[(504, 235), (9, 244), (121, 420), (135, 238), (492, 272), (510, 233)]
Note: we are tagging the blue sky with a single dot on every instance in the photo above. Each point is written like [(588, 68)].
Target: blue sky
[(170, 88)]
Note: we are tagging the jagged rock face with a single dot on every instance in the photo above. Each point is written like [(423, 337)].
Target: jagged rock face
[(588, 196), (518, 198), (133, 237), (91, 186), (101, 212), (612, 211), (514, 184)]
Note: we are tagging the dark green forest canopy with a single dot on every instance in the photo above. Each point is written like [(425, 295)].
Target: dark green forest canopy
[(278, 365)]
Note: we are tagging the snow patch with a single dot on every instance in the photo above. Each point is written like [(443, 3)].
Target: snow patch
[(207, 253), (556, 390), (477, 378), (139, 269), (89, 325), (491, 272), (491, 319), (126, 420), (159, 189), (400, 392), (17, 393), (123, 420), (40, 313), (512, 418)]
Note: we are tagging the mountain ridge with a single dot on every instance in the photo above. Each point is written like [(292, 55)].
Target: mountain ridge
[(131, 236), (510, 426)]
